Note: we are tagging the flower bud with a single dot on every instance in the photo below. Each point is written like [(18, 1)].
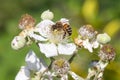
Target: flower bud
[(107, 53), (47, 15), (18, 42), (103, 38)]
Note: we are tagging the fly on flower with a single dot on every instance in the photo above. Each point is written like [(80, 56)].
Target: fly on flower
[(64, 27)]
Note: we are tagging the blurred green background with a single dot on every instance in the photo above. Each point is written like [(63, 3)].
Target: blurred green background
[(104, 15)]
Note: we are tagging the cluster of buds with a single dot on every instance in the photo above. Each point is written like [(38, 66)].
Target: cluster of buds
[(53, 40)]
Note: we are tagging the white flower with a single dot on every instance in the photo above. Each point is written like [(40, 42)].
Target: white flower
[(56, 44), (18, 42), (23, 74), (103, 38), (34, 63), (47, 15)]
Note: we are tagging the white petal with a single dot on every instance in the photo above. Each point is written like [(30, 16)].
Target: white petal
[(67, 49), (33, 63), (37, 37), (49, 49), (87, 45), (23, 74), (95, 44), (44, 27)]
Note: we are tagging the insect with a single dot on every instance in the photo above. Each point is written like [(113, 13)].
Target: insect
[(65, 27)]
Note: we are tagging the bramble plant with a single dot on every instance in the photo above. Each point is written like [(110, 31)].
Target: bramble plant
[(53, 40)]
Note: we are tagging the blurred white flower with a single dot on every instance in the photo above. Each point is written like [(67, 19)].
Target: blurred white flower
[(56, 43), (23, 74), (34, 63), (18, 42), (103, 38), (47, 15)]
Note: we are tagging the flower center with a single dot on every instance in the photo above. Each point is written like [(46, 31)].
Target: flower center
[(60, 67)]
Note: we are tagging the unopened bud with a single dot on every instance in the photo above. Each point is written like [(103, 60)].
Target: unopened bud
[(47, 15), (103, 38), (18, 42)]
